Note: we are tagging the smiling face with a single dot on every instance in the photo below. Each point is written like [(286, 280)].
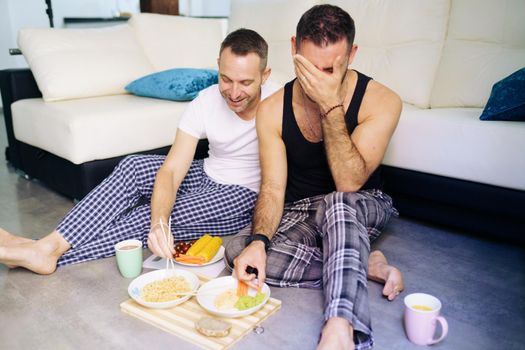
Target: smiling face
[(240, 80)]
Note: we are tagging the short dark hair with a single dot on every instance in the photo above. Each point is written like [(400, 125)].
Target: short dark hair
[(244, 41), (325, 24)]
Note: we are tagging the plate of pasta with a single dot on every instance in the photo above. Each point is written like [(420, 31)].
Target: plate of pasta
[(164, 288)]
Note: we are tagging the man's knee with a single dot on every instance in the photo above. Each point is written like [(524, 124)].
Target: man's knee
[(348, 198), (128, 162), (333, 202), (139, 163)]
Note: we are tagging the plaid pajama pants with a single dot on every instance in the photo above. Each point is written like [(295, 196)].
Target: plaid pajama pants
[(118, 209), (324, 242)]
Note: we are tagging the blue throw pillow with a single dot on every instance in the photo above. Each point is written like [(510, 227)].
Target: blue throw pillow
[(179, 84), (507, 99)]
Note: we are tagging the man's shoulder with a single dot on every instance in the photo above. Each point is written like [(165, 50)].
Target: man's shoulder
[(211, 92), (380, 99), (274, 100), (209, 100), (269, 112), (269, 88), (376, 92)]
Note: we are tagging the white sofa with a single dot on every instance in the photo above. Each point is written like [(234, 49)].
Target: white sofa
[(441, 56)]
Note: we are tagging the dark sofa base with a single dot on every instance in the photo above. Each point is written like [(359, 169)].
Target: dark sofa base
[(476, 208), (69, 179), (74, 180)]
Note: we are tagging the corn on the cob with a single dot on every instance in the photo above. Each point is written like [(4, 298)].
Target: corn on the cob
[(209, 251), (197, 246)]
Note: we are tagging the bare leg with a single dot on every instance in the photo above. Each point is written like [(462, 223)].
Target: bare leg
[(380, 271), (337, 334), (8, 239), (38, 256)]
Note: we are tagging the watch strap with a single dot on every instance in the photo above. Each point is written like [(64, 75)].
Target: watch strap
[(259, 237)]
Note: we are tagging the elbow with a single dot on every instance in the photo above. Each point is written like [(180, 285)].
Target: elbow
[(164, 172), (350, 185), (348, 188)]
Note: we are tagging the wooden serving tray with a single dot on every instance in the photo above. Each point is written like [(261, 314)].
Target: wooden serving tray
[(180, 321)]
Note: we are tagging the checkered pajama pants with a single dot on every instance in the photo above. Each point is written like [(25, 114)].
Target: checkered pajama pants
[(118, 209), (324, 242)]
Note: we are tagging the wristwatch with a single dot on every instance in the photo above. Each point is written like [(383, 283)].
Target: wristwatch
[(258, 237)]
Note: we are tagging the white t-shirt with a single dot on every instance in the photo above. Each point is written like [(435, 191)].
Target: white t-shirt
[(233, 156)]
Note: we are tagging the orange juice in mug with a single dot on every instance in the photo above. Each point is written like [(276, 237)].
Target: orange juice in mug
[(421, 318)]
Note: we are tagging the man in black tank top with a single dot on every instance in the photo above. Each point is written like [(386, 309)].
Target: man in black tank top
[(321, 139)]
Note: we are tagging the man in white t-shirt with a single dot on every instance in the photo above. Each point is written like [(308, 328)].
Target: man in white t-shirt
[(215, 195)]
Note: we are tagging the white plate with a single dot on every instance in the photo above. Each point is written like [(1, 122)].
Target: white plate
[(210, 290), (218, 256), (138, 283)]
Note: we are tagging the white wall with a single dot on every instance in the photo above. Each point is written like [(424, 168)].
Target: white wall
[(217, 8), (92, 8), (17, 14), (6, 38)]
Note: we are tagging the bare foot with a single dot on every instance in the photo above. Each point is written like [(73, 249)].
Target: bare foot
[(337, 334), (7, 238), (38, 256), (380, 271)]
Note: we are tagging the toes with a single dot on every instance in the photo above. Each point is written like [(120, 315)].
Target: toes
[(392, 289), (393, 295), (387, 290)]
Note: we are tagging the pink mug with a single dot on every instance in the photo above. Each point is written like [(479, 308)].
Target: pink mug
[(421, 317)]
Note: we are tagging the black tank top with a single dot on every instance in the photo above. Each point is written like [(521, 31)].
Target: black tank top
[(308, 171)]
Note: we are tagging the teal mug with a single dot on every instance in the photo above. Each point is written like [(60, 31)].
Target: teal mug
[(129, 257)]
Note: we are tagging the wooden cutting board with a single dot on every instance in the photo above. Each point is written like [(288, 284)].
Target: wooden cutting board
[(180, 321)]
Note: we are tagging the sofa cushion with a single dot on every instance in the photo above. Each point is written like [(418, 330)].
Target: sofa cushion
[(400, 43), (453, 142), (96, 128), (179, 84), (485, 42), (78, 63), (176, 42), (507, 99)]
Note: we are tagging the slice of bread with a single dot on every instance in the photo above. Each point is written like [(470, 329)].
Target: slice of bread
[(213, 327)]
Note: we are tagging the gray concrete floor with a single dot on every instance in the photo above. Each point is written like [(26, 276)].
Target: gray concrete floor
[(480, 283)]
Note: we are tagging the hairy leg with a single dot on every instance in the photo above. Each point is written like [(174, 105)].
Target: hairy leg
[(337, 334), (38, 256), (380, 271)]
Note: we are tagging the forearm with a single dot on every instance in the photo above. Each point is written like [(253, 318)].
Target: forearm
[(164, 196), (268, 211), (346, 163)]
